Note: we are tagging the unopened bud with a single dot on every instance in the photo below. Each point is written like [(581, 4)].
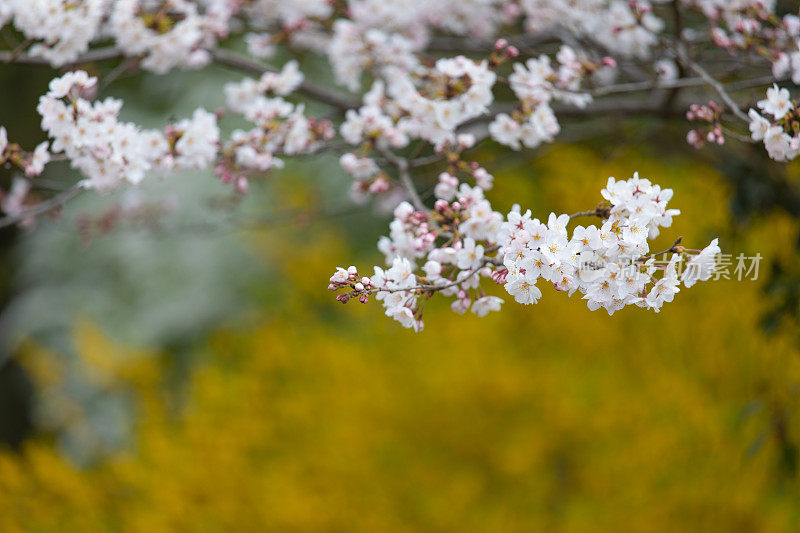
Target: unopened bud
[(610, 62), (242, 185), (344, 298)]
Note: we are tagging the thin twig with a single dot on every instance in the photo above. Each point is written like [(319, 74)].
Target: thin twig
[(671, 250), (599, 211), (98, 54), (43, 207), (405, 177), (750, 83), (116, 72), (738, 136), (434, 288), (19, 50), (234, 60)]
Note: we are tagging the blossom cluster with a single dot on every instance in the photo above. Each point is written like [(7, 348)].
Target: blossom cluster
[(280, 126), (167, 34), (781, 135), (460, 243), (536, 84), (753, 26), (62, 30), (624, 27), (353, 50), (608, 264), (433, 103), (428, 104), (711, 131), (108, 151), (448, 239)]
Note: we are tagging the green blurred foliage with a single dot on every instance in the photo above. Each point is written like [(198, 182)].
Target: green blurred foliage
[(312, 416)]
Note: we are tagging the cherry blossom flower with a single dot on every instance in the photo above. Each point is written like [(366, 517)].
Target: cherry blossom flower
[(777, 102)]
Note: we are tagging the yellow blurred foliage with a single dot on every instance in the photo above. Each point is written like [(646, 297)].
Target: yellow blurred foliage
[(325, 417)]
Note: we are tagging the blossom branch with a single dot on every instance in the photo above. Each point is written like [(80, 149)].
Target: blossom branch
[(518, 92)]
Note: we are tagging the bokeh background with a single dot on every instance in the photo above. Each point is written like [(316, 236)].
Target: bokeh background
[(170, 358)]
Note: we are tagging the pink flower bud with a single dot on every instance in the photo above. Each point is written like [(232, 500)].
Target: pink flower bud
[(227, 176), (379, 185), (499, 276), (694, 138), (242, 185)]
